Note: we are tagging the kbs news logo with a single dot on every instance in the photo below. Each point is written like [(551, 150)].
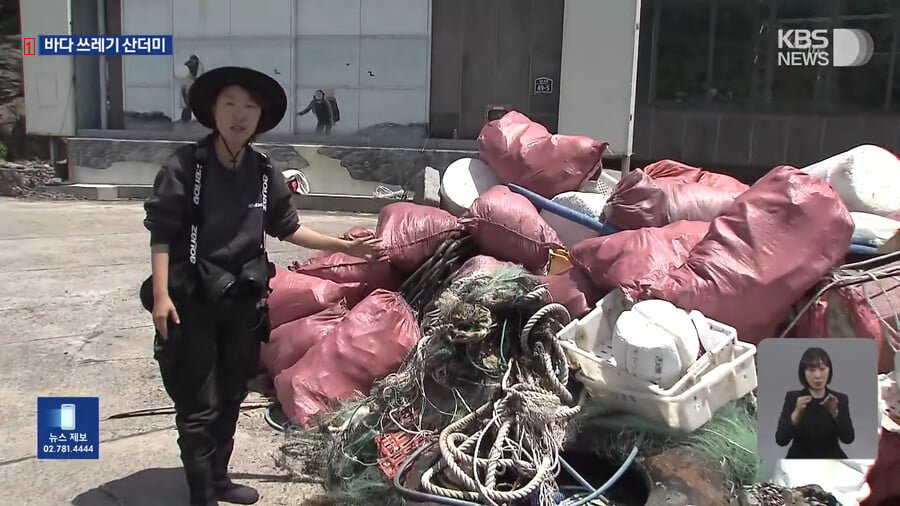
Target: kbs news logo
[(839, 47)]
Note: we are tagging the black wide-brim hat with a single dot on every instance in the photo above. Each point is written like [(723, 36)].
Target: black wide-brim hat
[(207, 87)]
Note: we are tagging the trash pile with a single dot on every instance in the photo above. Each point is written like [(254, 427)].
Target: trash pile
[(529, 339)]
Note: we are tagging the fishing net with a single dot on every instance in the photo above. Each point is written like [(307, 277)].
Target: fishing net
[(508, 450), (456, 366), (474, 372), (860, 299), (727, 442)]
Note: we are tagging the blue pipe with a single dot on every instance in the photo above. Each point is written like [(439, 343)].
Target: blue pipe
[(570, 214), (863, 250), (602, 228), (599, 491)]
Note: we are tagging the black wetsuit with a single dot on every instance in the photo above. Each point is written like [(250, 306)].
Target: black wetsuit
[(818, 434), (207, 360)]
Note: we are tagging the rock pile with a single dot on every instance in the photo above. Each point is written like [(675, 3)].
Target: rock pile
[(12, 102), (28, 179)]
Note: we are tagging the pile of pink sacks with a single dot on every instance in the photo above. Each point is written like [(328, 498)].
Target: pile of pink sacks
[(337, 323), (743, 255)]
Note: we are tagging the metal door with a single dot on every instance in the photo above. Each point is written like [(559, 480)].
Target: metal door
[(494, 54)]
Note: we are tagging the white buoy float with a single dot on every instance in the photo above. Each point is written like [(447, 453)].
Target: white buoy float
[(464, 181)]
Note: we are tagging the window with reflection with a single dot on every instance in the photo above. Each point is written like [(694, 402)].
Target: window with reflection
[(723, 54)]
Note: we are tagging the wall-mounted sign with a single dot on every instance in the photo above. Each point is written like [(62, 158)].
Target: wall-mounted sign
[(543, 86)]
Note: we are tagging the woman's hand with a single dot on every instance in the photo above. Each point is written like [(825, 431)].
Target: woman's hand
[(799, 408), (163, 311), (831, 404), (369, 247)]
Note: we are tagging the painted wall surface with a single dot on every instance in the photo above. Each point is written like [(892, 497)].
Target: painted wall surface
[(48, 81), (599, 70), (371, 57)]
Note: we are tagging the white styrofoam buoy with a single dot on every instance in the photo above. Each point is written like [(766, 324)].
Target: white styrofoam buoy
[(464, 181), (655, 341), (569, 232), (867, 178), (873, 230)]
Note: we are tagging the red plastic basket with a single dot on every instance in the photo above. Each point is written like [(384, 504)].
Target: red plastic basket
[(394, 448)]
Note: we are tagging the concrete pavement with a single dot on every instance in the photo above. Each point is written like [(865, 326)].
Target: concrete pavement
[(71, 325)]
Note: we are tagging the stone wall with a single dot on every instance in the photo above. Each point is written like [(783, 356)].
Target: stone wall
[(22, 180)]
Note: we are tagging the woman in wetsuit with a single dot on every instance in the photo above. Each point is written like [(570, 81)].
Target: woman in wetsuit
[(816, 418), (213, 203)]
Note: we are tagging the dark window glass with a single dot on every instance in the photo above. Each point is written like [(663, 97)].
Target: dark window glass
[(744, 70), (682, 50)]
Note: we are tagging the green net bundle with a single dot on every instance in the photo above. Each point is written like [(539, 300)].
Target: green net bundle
[(470, 331), (727, 442)]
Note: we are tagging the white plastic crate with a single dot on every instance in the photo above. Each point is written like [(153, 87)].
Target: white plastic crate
[(588, 342), (725, 372), (693, 407)]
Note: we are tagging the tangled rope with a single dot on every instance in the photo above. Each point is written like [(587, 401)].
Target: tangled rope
[(528, 425), (446, 370), (420, 289), (855, 274), (385, 192)]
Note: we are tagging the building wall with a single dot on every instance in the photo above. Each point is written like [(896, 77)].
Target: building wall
[(392, 79), (597, 87), (48, 82), (372, 55)]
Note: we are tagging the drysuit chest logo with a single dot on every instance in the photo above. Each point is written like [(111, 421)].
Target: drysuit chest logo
[(264, 198), (198, 175), (265, 192)]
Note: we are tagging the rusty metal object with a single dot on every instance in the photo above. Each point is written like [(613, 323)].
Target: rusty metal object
[(678, 478)]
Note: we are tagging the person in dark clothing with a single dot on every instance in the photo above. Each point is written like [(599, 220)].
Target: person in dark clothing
[(193, 67), (212, 205), (816, 418), (325, 110)]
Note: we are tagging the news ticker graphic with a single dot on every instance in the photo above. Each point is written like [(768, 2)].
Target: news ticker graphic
[(68, 428), (61, 45)]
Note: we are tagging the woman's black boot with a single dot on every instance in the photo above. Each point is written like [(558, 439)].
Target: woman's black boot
[(200, 483), (225, 489)]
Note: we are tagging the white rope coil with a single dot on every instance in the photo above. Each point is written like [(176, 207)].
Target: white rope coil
[(527, 424)]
